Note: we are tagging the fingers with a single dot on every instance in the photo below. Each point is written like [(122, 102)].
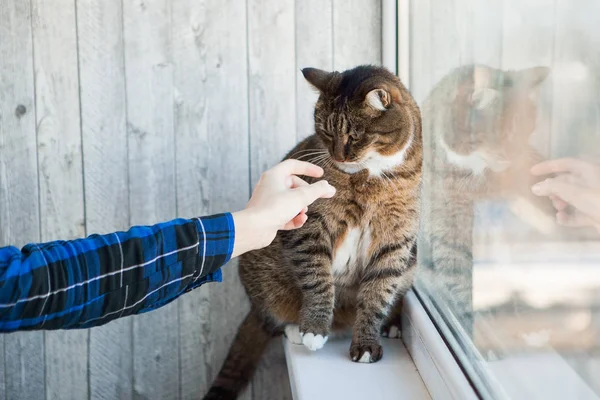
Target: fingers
[(559, 165), (575, 219), (296, 182), (558, 203), (298, 221), (308, 194), (296, 167), (558, 188)]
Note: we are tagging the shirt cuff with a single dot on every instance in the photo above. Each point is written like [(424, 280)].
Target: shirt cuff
[(216, 237)]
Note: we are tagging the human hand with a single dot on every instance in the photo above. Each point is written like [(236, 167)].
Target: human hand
[(575, 183), (279, 202)]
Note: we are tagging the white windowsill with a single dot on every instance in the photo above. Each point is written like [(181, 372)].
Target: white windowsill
[(329, 374), (431, 372)]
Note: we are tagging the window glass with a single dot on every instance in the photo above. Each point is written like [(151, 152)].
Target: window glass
[(511, 277)]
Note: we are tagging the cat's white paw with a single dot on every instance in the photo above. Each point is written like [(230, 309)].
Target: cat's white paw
[(313, 342), (395, 332), (366, 358), (292, 332)]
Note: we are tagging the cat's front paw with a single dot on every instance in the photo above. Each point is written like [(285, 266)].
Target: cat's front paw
[(366, 352), (313, 342), (391, 331), (292, 333), (314, 334)]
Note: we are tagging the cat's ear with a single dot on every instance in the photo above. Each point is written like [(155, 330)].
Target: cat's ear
[(382, 98), (529, 78), (379, 99), (317, 78), (484, 93)]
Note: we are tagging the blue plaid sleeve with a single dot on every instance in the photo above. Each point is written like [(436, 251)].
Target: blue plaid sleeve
[(92, 281)]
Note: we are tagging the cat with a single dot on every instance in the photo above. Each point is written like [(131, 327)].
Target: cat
[(477, 123), (355, 257)]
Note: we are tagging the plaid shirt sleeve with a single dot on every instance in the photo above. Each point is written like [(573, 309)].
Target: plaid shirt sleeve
[(89, 282)]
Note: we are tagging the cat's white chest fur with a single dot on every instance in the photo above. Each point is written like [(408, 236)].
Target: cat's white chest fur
[(352, 252)]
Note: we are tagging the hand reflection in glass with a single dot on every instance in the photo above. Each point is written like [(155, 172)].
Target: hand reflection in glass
[(574, 189)]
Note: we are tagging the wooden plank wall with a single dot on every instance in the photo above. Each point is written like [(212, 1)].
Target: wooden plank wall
[(121, 113)]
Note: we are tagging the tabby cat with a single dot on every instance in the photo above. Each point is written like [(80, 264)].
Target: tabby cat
[(477, 123), (355, 257)]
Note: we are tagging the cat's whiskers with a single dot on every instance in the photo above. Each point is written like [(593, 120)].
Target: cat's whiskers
[(311, 154), (320, 160), (307, 151)]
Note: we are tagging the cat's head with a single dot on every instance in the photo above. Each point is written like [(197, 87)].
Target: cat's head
[(491, 116), (365, 117)]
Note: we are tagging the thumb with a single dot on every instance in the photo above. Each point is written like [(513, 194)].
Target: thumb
[(306, 195)]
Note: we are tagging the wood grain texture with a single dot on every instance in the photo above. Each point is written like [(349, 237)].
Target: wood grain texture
[(211, 130), (149, 77), (60, 172), (272, 380), (272, 82), (314, 48), (21, 354), (356, 33), (145, 111), (104, 136), (271, 61)]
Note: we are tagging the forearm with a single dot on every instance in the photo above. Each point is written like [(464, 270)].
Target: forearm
[(88, 282)]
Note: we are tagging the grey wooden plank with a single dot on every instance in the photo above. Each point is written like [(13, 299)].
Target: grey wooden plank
[(272, 69), (147, 38), (60, 172), (210, 72), (21, 354), (272, 82), (272, 379), (314, 48), (104, 136), (356, 33)]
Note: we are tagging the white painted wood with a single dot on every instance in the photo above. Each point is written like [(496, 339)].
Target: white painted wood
[(436, 364), (149, 77), (314, 48), (211, 130), (103, 109), (21, 354), (356, 33), (60, 173), (329, 374)]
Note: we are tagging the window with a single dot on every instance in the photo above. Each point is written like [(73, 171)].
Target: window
[(502, 86)]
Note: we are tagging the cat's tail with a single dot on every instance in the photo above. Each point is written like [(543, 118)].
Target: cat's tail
[(248, 346)]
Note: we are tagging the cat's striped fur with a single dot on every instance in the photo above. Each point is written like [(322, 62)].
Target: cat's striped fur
[(350, 264)]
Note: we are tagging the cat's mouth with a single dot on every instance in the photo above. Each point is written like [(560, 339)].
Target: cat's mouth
[(350, 167)]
